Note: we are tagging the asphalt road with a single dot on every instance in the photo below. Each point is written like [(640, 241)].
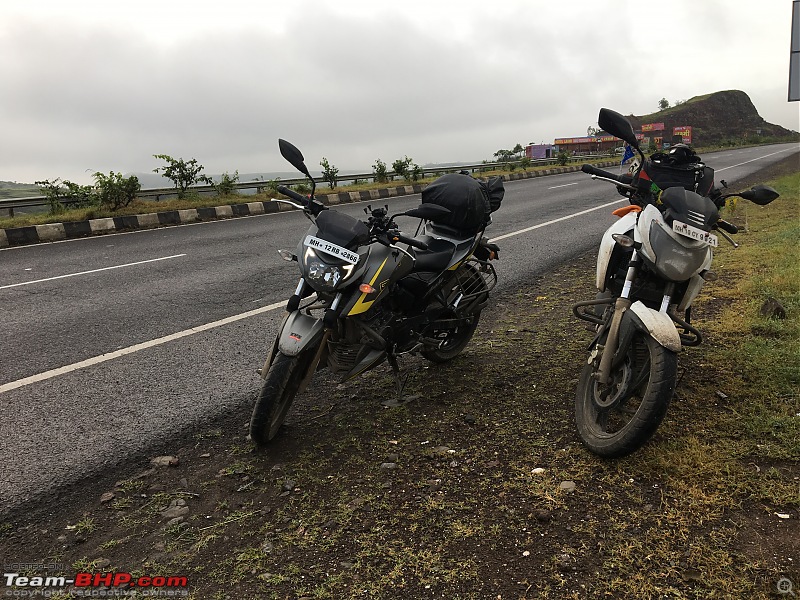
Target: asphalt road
[(116, 343)]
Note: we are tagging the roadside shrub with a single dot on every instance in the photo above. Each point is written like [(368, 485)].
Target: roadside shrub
[(59, 192), (115, 191), (182, 173), (225, 187), (329, 173), (562, 158), (380, 172)]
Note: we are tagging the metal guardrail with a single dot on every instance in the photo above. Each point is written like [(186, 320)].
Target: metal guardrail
[(8, 205)]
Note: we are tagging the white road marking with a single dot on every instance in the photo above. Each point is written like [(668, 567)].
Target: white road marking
[(555, 187), (754, 159), (546, 223), (96, 360), (141, 262)]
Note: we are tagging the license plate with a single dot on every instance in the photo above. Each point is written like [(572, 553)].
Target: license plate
[(332, 249), (696, 234)]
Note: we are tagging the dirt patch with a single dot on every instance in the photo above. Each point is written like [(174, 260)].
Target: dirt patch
[(479, 488)]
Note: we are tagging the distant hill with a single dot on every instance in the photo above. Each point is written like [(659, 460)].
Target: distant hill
[(12, 189), (716, 118)]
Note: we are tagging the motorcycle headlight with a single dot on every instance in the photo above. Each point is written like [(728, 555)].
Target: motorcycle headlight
[(322, 276), (675, 261)]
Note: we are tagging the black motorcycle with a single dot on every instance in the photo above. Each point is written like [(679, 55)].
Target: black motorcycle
[(369, 293)]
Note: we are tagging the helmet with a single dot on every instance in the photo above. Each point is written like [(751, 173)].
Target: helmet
[(682, 154)]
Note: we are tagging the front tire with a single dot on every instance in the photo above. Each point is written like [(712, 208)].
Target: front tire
[(617, 419), (277, 393)]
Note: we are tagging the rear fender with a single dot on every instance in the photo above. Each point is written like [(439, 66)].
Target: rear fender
[(656, 324)]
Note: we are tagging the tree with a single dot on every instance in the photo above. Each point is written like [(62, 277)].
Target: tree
[(402, 166), (518, 150), (183, 174), (381, 173), (115, 191), (592, 131), (663, 104), (329, 172)]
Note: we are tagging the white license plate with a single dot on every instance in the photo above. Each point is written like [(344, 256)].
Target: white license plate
[(696, 234), (332, 249)]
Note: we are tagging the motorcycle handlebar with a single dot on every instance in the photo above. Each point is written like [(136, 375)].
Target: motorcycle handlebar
[(592, 170), (399, 237), (293, 195)]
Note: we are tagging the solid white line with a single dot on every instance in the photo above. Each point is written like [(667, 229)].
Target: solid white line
[(131, 349), (577, 214), (555, 187), (141, 262), (754, 159)]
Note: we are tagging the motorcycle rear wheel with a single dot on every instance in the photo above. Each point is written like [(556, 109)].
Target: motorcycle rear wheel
[(468, 280), (276, 396), (615, 427)]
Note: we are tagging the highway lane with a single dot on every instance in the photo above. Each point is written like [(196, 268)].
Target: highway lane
[(67, 302)]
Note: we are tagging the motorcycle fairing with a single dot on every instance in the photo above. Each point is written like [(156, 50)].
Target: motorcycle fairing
[(384, 268), (660, 242), (623, 226), (299, 331)]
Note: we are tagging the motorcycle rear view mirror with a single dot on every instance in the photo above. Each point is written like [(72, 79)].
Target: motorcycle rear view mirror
[(427, 211), (614, 123), (293, 156), (760, 194)]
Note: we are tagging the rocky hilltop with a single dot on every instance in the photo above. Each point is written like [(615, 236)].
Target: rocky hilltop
[(716, 118)]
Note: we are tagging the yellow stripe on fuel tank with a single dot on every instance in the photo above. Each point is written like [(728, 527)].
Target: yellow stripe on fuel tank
[(361, 306)]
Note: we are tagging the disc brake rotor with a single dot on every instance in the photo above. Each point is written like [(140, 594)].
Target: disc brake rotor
[(612, 394)]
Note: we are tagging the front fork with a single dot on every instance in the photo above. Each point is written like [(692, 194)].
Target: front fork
[(622, 304)]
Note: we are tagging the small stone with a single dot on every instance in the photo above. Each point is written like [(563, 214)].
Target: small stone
[(107, 497), (288, 485), (441, 450), (388, 466), (567, 486), (722, 395), (267, 547), (165, 461), (542, 515), (175, 511), (175, 521), (206, 455), (469, 419), (393, 458), (184, 484), (101, 563), (538, 471), (526, 553)]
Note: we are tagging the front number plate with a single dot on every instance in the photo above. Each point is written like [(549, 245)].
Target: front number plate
[(332, 249), (696, 234)]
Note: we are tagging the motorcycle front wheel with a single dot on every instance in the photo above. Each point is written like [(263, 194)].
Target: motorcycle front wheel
[(468, 283), (277, 393), (618, 418)]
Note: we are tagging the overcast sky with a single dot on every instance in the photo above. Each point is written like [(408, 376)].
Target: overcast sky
[(103, 85)]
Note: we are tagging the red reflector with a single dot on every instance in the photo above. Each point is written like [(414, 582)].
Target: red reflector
[(366, 288)]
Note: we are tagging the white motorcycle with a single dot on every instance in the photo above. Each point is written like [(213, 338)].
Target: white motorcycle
[(651, 265)]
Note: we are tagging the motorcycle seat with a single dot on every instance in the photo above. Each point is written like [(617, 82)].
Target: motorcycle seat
[(437, 257)]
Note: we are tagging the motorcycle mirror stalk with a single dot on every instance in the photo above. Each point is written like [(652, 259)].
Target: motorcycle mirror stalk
[(295, 158)]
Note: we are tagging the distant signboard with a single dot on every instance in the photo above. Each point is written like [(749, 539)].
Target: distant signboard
[(685, 132), (653, 127)]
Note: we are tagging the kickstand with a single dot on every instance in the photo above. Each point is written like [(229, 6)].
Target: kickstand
[(400, 384)]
